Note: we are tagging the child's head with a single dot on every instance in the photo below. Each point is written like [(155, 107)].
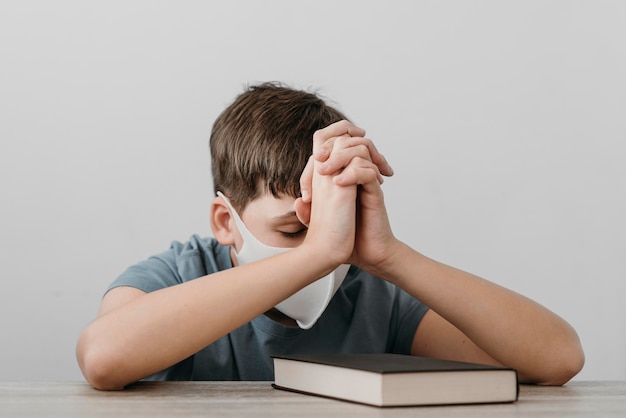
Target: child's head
[(262, 141)]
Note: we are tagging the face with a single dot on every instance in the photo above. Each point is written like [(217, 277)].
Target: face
[(272, 221)]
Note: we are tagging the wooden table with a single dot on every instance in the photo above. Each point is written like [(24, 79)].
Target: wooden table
[(259, 399)]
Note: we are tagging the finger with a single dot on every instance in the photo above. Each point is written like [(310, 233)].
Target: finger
[(382, 164), (340, 158), (306, 181), (376, 157), (324, 150), (340, 128), (359, 172), (357, 176)]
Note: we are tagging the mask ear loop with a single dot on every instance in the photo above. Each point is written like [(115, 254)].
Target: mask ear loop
[(243, 231), (240, 225)]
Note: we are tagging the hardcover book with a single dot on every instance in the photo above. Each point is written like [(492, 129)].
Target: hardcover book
[(394, 379)]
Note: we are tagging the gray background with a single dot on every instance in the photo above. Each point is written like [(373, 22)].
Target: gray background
[(504, 121)]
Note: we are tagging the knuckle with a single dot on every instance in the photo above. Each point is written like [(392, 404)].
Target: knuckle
[(343, 124), (363, 149), (342, 141), (318, 135)]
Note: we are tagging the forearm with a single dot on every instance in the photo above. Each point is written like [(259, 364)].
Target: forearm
[(510, 328), (159, 329)]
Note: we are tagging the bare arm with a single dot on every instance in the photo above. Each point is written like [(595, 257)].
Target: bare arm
[(138, 334), (476, 320)]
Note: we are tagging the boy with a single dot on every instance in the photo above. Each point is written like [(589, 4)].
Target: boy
[(216, 309)]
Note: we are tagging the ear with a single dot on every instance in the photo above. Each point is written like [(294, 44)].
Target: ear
[(222, 223)]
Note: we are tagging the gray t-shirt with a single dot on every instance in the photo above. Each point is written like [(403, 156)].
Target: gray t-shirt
[(366, 315)]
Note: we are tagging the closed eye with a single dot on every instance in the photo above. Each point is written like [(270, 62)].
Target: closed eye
[(293, 234)]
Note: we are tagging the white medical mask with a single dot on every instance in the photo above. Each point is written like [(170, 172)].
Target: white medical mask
[(306, 305)]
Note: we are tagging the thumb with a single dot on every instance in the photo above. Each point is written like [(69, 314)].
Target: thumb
[(303, 211)]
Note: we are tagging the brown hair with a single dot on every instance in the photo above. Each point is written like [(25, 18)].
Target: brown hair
[(262, 141)]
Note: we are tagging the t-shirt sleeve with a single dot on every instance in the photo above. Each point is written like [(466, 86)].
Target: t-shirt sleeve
[(155, 273), (181, 263), (409, 314)]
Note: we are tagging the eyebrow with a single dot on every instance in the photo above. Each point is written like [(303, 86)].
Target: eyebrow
[(285, 216)]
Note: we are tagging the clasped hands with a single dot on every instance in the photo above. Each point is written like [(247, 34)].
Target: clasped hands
[(343, 158)]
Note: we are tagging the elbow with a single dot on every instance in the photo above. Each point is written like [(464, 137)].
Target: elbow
[(562, 365), (97, 365), (566, 369)]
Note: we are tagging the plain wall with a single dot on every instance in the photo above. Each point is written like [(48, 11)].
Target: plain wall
[(504, 121)]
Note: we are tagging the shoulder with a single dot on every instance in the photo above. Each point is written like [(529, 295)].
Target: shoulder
[(182, 262), (196, 257), (206, 249)]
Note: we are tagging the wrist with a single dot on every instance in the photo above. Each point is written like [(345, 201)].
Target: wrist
[(317, 262), (388, 261)]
